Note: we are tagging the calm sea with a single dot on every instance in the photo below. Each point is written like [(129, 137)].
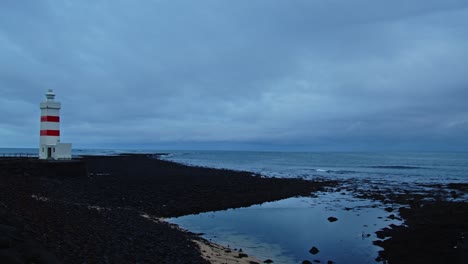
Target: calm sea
[(420, 167), (423, 167)]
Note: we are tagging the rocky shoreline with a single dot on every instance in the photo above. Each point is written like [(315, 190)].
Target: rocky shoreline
[(114, 214), (435, 228), (109, 216)]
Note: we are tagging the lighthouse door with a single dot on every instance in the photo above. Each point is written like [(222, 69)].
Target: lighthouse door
[(49, 153)]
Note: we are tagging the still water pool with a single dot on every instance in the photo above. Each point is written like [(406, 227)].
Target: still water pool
[(286, 230)]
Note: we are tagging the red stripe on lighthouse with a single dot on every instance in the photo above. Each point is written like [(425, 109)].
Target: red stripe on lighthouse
[(50, 133), (50, 119)]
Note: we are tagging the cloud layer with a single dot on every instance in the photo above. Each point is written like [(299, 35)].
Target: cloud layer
[(305, 75)]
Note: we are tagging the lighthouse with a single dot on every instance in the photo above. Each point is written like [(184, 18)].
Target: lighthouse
[(49, 143)]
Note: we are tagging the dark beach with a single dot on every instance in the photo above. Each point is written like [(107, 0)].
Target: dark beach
[(98, 219), (113, 214)]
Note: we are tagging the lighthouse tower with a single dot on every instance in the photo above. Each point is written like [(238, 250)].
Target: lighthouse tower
[(50, 146)]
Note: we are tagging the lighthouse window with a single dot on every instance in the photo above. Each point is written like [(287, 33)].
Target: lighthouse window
[(42, 149), (54, 149)]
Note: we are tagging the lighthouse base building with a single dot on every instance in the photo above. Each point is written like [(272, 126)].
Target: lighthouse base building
[(56, 152), (49, 145)]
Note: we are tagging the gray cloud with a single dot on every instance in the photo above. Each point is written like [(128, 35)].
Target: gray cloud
[(238, 74)]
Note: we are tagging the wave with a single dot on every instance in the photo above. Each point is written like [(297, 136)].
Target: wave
[(396, 167), (337, 171)]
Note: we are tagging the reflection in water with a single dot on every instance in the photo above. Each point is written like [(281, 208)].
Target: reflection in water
[(285, 231)]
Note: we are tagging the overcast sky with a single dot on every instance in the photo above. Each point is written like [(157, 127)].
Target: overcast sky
[(253, 74)]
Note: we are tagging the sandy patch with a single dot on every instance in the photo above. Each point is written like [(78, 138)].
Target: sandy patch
[(218, 254)]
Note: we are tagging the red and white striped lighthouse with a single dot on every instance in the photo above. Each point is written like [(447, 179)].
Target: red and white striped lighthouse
[(50, 146)]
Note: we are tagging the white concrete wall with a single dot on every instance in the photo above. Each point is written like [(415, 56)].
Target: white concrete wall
[(63, 151), (51, 105), (49, 140), (42, 152)]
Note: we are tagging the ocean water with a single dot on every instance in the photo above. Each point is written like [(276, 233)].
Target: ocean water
[(423, 167)]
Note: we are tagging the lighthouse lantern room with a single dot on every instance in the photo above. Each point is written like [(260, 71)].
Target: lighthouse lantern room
[(50, 146)]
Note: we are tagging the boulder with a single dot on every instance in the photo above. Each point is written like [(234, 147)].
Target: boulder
[(314, 250)]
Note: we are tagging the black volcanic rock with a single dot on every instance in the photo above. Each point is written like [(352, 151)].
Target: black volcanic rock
[(314, 251)]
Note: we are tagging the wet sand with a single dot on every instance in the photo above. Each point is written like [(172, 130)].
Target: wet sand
[(108, 217)]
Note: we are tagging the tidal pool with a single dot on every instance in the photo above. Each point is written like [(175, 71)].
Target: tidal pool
[(286, 230)]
